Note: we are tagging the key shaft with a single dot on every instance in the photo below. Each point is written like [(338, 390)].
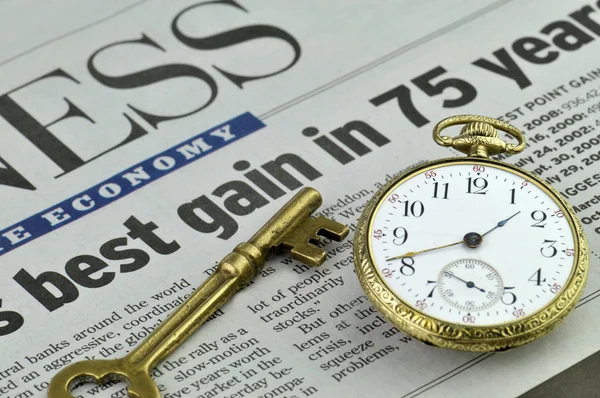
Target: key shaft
[(234, 272)]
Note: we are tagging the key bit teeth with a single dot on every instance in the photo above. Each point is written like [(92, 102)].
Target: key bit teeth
[(308, 254), (303, 240), (331, 229)]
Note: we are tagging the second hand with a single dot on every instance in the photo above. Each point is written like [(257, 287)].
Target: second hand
[(469, 283)]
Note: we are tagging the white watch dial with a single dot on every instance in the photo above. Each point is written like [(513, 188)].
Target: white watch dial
[(472, 244)]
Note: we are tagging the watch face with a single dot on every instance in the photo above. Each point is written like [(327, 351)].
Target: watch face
[(472, 243)]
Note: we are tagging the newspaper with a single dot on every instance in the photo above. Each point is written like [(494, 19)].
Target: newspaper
[(142, 140)]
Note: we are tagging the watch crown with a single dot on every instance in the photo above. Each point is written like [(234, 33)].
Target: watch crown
[(480, 129), (479, 137)]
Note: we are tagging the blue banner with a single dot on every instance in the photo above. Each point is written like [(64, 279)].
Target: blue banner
[(128, 181)]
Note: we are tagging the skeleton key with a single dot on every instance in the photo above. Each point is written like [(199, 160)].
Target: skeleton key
[(291, 228)]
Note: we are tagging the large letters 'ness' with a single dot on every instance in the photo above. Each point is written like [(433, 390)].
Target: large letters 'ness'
[(43, 134)]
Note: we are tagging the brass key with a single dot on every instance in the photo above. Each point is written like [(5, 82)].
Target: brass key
[(291, 228)]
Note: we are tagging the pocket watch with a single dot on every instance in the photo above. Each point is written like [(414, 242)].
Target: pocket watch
[(471, 253)]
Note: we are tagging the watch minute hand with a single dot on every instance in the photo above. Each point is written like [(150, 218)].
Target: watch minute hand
[(412, 254)]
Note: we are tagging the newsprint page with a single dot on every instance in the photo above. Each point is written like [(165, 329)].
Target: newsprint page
[(140, 141)]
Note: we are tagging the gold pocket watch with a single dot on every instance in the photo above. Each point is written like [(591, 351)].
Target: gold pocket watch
[(471, 253)]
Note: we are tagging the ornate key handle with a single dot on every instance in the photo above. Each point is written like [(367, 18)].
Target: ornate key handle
[(291, 228), (479, 137)]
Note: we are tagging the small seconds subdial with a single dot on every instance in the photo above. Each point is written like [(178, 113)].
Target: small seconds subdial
[(470, 285)]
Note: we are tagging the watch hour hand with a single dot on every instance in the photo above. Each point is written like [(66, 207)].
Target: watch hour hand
[(501, 223)]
